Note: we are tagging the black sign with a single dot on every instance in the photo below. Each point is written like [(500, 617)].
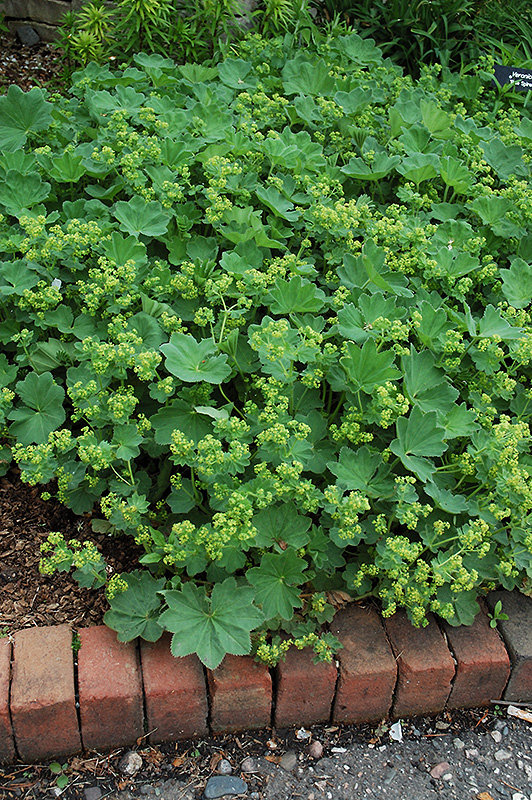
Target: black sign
[(519, 78)]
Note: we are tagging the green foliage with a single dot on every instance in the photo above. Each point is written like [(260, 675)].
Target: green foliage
[(280, 336)]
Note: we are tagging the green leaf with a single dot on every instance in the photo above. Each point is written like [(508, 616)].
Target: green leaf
[(445, 499), (277, 581), (300, 76), (211, 627), (135, 611), (419, 167), (281, 524), (359, 50), (19, 192), (363, 471), (181, 416), (193, 361), (16, 277), (418, 435), (459, 421), (505, 159), (366, 368), (381, 166), (425, 385), (67, 168), (517, 283), (43, 411), (433, 325), (8, 372), (22, 113), (126, 439), (494, 324), (120, 249), (277, 203), (139, 216), (464, 605), (296, 296), (235, 72)]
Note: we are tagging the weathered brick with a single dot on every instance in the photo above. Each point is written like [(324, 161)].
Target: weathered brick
[(305, 690), (425, 666), (517, 634), (368, 671), (241, 695), (110, 690), (43, 704), (483, 665), (7, 747), (175, 693)]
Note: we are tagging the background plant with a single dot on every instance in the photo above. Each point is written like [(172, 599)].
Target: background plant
[(271, 320)]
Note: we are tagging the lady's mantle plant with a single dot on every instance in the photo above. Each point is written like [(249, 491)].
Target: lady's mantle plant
[(274, 318)]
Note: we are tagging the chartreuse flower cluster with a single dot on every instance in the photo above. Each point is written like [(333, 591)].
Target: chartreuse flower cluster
[(272, 321)]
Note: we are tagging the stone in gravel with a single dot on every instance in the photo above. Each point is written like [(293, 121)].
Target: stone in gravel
[(502, 755), (439, 770), (519, 796), (92, 793), (222, 785), (288, 761), (224, 767), (458, 743), (28, 36), (496, 736), (249, 765), (130, 763), (315, 749)]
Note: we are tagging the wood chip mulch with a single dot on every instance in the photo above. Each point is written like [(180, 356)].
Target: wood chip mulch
[(28, 598), (28, 67)]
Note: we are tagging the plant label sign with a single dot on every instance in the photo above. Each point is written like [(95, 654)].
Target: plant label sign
[(521, 79)]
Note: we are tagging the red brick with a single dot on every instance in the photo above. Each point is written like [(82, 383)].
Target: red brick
[(43, 703), (110, 690), (517, 634), (241, 695), (368, 671), (174, 691), (305, 690), (7, 747), (483, 665), (425, 665)]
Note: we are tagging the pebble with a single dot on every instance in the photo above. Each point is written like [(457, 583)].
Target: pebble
[(302, 734), (502, 755), (92, 793), (519, 796), (439, 769), (221, 785), (458, 744), (130, 763), (496, 736), (224, 767), (471, 753), (315, 749), (288, 761), (249, 765)]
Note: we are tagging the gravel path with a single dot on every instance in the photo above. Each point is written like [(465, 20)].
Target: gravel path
[(482, 754)]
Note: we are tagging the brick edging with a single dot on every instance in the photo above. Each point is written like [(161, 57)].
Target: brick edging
[(52, 704)]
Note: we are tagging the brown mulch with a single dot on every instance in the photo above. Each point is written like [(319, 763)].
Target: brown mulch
[(28, 67), (29, 599)]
